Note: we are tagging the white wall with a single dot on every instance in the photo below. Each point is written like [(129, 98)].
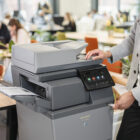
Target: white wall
[(2, 8), (77, 8), (108, 6)]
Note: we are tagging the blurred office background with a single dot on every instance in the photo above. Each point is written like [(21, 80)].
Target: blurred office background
[(117, 11), (77, 8), (101, 23)]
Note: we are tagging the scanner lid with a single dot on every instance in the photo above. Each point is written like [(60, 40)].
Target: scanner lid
[(48, 56)]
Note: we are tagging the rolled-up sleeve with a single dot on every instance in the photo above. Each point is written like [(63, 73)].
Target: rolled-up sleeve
[(126, 47)]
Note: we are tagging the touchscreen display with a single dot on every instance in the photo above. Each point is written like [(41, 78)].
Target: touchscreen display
[(96, 78)]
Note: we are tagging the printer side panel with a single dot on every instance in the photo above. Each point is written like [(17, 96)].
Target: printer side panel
[(16, 76)]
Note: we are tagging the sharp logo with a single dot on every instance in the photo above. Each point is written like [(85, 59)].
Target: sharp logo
[(84, 118)]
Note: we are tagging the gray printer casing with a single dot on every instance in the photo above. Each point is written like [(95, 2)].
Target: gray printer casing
[(63, 109)]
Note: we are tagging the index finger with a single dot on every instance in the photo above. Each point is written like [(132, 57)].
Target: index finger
[(96, 57), (93, 52), (116, 106)]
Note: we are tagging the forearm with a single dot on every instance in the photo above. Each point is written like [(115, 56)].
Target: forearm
[(122, 50), (108, 54), (126, 47)]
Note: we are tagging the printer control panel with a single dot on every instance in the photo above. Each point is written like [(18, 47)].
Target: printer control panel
[(96, 78)]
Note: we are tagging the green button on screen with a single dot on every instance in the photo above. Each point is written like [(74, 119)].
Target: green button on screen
[(89, 79)]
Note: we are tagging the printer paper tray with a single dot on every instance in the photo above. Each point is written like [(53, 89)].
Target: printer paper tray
[(36, 101), (25, 97)]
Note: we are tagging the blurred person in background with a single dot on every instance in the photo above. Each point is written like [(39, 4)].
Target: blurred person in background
[(6, 18), (88, 17), (94, 14), (4, 34), (43, 15), (122, 16), (18, 34), (112, 20), (86, 23), (69, 23), (45, 8), (99, 20), (39, 19)]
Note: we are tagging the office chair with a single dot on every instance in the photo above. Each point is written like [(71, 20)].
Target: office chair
[(92, 44)]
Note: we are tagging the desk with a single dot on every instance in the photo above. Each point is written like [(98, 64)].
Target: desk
[(46, 28), (125, 25), (102, 37), (6, 102), (118, 78), (9, 104)]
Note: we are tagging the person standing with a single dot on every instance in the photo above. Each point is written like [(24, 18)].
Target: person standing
[(130, 101), (69, 23), (45, 8)]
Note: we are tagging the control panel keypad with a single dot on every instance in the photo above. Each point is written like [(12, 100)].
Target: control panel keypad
[(96, 78)]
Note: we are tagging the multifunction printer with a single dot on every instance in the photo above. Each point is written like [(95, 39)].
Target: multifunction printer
[(71, 96)]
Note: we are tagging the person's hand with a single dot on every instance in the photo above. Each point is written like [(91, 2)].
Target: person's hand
[(12, 33), (124, 101), (98, 54)]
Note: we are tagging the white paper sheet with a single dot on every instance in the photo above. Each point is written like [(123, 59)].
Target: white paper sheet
[(120, 88), (13, 91)]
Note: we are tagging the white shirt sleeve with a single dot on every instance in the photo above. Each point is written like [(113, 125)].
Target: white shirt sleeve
[(136, 93), (22, 37)]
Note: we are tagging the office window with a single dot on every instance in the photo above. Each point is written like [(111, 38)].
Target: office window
[(8, 6), (11, 5), (130, 6), (77, 8), (1, 7), (29, 7), (127, 5), (108, 6)]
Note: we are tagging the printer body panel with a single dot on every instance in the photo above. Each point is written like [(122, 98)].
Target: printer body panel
[(102, 96), (52, 58), (93, 124), (89, 125), (67, 92), (34, 126)]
